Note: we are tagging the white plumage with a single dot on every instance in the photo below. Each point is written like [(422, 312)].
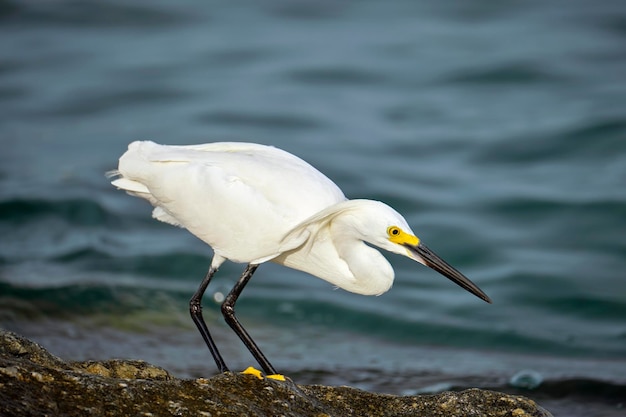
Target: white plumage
[(253, 203)]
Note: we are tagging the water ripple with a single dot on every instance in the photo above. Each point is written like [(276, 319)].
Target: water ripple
[(89, 14), (259, 120)]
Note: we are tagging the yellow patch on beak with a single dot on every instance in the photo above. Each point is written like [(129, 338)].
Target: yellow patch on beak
[(399, 236)]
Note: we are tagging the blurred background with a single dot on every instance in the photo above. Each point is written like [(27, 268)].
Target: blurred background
[(497, 129)]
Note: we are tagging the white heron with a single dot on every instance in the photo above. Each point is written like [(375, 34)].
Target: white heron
[(254, 203)]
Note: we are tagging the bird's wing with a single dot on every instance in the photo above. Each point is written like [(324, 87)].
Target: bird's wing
[(294, 188), (307, 230), (239, 198)]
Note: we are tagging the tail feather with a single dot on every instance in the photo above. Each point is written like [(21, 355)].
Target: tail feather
[(130, 186), (123, 177), (114, 173), (134, 164)]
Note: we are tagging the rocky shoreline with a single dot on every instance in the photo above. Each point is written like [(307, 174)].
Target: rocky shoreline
[(35, 383)]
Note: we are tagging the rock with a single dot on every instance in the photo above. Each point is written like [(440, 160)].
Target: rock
[(35, 383)]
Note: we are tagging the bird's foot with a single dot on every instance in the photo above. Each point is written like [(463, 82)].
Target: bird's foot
[(253, 371)]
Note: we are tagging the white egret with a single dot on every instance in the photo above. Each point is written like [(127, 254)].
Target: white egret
[(253, 203)]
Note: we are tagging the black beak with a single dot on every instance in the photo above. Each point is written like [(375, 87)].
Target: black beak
[(433, 261)]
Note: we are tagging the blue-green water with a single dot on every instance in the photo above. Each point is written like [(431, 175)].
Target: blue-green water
[(498, 130)]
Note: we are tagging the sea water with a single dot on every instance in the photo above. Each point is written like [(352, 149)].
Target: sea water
[(497, 129)]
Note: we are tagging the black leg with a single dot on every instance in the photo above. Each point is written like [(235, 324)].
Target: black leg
[(195, 309), (228, 310)]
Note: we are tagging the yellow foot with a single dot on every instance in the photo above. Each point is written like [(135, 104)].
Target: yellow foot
[(253, 371)]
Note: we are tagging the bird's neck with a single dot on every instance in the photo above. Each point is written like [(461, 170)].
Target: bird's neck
[(372, 273)]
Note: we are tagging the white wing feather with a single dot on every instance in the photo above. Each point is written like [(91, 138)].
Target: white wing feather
[(209, 189)]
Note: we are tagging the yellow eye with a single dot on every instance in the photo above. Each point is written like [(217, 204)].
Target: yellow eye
[(393, 231), (399, 236)]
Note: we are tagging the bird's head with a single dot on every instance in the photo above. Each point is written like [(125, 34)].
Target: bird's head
[(387, 229)]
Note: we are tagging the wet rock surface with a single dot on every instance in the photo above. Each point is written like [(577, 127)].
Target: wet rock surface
[(35, 383)]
